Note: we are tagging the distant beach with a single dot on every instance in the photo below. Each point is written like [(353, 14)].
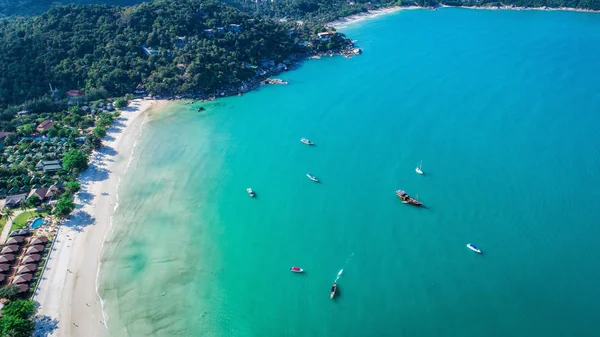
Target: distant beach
[(340, 23), (67, 293)]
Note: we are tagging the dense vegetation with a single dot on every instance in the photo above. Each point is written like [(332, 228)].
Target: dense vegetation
[(36, 7), (99, 48), (16, 318)]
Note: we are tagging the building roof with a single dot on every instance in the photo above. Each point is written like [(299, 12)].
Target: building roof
[(40, 192), (7, 258), (15, 240), (52, 168), (45, 125), (4, 134), (4, 267), (29, 258), (15, 199), (2, 277), (75, 93), (28, 268), (38, 241), (34, 249), (19, 232), (23, 287), (22, 278), (9, 249)]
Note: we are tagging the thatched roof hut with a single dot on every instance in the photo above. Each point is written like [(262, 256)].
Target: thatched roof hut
[(31, 258), (23, 278), (7, 258), (28, 268), (34, 249), (15, 240), (10, 249), (38, 241)]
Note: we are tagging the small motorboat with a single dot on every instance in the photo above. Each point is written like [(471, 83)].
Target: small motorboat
[(418, 169), (311, 177), (406, 199), (251, 192), (474, 248), (295, 269), (306, 141), (333, 290)]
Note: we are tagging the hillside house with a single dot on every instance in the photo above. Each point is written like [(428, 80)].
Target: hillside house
[(45, 125), (48, 166)]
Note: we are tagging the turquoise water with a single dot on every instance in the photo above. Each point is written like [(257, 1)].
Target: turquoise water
[(501, 107), (37, 223)]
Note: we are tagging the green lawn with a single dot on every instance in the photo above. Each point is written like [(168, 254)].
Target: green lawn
[(21, 220)]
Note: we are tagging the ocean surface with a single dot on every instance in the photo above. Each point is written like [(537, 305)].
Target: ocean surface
[(503, 109)]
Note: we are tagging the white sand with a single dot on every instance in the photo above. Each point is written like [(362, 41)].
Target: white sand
[(69, 304), (343, 22)]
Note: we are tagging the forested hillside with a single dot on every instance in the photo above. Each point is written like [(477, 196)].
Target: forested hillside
[(35, 7)]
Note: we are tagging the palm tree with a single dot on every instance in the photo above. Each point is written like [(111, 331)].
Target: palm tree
[(6, 213)]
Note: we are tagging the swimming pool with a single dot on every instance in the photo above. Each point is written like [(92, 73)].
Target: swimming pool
[(36, 223)]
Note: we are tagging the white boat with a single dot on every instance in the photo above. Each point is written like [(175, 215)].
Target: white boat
[(474, 248), (295, 269), (418, 169), (311, 177), (333, 290), (306, 141), (250, 192)]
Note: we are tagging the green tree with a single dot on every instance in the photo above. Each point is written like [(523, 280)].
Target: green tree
[(120, 103), (7, 213), (9, 292), (20, 308), (72, 187), (33, 201), (26, 130), (12, 326), (99, 132), (75, 159), (64, 206)]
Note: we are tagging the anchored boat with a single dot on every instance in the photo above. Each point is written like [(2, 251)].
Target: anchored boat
[(474, 248), (307, 141), (312, 177), (250, 192), (406, 199), (333, 290), (418, 169), (295, 269)]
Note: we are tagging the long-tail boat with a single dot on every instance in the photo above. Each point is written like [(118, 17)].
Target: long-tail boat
[(407, 199)]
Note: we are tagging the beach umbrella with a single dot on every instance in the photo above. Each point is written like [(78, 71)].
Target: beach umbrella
[(7, 258), (15, 240), (34, 249), (28, 268), (23, 278), (38, 241), (4, 267), (28, 259), (9, 249)]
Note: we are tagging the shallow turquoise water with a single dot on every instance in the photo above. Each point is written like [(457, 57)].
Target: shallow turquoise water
[(501, 106)]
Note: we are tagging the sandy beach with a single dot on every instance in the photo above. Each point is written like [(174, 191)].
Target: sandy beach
[(368, 15), (69, 304)]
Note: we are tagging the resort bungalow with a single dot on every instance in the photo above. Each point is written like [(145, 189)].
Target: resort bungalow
[(23, 287), (15, 200), (48, 166), (45, 125), (19, 232), (149, 51), (39, 192), (2, 277), (75, 97), (325, 36), (7, 258), (4, 267), (23, 278), (10, 249), (29, 259), (28, 268), (209, 32), (3, 135), (16, 240), (34, 249), (38, 241)]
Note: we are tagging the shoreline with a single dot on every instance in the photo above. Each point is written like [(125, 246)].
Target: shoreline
[(342, 22), (67, 295)]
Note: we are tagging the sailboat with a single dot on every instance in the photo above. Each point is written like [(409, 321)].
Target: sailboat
[(418, 169)]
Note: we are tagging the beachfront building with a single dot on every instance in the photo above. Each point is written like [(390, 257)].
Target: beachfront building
[(11, 249), (76, 97), (16, 240), (28, 268), (325, 36)]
